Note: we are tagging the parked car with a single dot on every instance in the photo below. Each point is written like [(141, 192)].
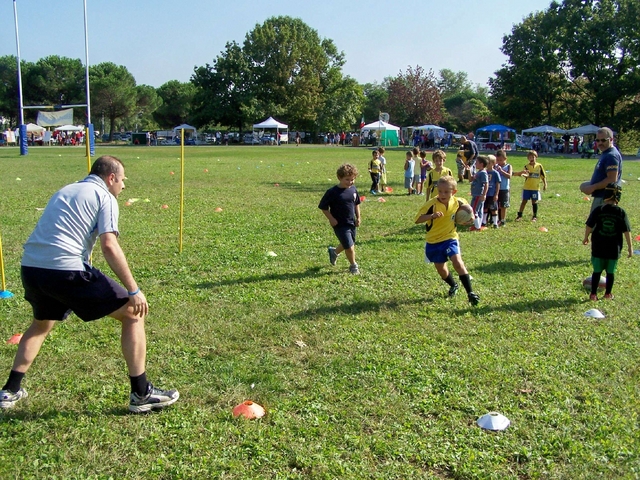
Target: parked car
[(249, 139)]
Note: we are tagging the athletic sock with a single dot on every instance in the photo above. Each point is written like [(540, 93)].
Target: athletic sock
[(14, 381), (610, 279), (139, 384), (466, 282), (484, 218), (595, 280), (494, 219), (519, 215), (535, 209), (449, 280)]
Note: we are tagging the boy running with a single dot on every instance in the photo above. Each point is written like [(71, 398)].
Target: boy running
[(442, 243), (341, 205)]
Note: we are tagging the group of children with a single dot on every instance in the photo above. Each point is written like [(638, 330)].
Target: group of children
[(490, 189)]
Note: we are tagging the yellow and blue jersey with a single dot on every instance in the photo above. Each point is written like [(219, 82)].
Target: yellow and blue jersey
[(442, 228), (536, 173)]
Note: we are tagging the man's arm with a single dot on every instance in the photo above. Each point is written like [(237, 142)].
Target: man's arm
[(612, 177), (114, 256)]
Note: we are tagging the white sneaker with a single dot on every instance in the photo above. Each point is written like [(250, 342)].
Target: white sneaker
[(155, 399), (8, 399)]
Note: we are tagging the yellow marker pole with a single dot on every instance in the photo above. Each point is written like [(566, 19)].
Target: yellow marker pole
[(181, 187), (87, 144), (4, 293)]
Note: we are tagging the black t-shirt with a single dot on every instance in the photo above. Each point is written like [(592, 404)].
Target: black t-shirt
[(470, 150), (609, 222), (341, 202)]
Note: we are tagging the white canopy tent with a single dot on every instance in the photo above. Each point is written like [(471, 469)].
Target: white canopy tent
[(380, 125), (272, 123), (429, 127), (33, 128), (70, 128), (584, 130), (188, 129), (545, 129)]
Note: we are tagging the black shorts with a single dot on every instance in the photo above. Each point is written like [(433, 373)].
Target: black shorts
[(54, 294), (503, 198), (490, 205), (346, 235)]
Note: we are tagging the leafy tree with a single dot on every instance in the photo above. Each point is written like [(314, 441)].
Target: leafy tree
[(291, 67), (375, 100), (113, 92), (147, 102), (177, 103), (55, 80), (465, 105), (573, 63), (414, 98), (223, 90), (601, 44), (9, 88), (528, 89), (453, 83), (343, 100), (284, 69)]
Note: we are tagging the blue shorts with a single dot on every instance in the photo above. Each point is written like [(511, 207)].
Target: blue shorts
[(407, 182), (346, 236), (533, 195), (440, 252), (54, 294)]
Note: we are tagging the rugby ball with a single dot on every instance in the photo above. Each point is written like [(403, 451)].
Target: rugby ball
[(586, 283), (464, 215), (584, 185)]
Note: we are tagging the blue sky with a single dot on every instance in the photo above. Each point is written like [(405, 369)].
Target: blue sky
[(161, 40)]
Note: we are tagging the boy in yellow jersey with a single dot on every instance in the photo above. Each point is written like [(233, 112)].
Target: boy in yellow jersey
[(533, 173), (442, 243), (439, 170)]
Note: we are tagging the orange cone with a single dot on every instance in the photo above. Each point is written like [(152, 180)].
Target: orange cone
[(15, 339), (249, 410)]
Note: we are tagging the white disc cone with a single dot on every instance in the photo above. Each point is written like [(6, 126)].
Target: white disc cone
[(493, 421), (594, 313)]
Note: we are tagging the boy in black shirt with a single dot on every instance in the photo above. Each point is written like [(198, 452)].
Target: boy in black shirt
[(606, 224), (341, 206)]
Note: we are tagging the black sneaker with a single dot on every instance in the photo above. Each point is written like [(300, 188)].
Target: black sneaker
[(8, 399), (474, 298), (333, 256), (155, 399), (453, 290)]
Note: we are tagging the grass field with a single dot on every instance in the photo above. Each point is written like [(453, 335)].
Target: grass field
[(370, 376)]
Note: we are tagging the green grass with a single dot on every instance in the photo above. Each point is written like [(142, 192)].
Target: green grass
[(393, 375)]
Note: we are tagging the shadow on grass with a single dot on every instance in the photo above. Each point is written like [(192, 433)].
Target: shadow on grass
[(507, 267), (29, 415), (354, 308), (310, 272), (515, 307)]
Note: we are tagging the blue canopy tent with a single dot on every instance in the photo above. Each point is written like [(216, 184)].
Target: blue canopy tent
[(495, 136)]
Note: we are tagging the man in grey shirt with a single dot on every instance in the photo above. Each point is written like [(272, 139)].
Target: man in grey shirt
[(58, 279)]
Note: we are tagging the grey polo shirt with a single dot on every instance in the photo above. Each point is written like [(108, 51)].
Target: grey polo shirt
[(70, 224)]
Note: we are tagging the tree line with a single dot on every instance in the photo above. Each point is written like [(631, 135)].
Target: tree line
[(574, 63)]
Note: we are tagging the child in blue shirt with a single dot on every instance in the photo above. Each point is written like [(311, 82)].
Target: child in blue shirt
[(479, 188), (491, 203)]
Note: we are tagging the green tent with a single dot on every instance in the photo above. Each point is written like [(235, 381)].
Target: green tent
[(386, 133)]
